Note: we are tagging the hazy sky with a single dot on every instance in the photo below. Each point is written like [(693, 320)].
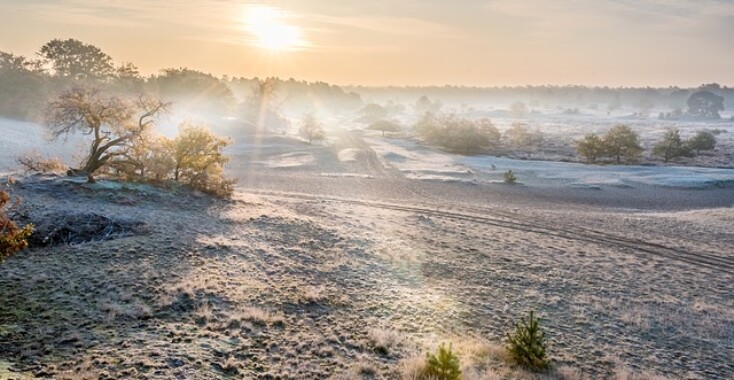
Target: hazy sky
[(377, 42)]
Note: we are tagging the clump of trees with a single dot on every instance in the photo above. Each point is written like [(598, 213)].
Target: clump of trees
[(122, 141), (76, 60), (622, 143), (702, 140), (705, 105), (458, 134), (619, 143), (28, 83), (12, 237), (311, 129), (672, 146)]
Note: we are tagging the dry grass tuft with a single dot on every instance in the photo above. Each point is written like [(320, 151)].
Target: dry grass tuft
[(314, 294), (257, 316), (413, 368), (624, 373), (384, 341), (360, 370)]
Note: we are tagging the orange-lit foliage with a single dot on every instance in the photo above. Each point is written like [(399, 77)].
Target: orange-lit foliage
[(12, 238)]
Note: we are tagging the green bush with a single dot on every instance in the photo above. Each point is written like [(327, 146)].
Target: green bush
[(444, 365), (526, 346), (456, 134)]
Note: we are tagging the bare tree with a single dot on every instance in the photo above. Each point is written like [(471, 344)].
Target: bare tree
[(311, 129), (112, 122)]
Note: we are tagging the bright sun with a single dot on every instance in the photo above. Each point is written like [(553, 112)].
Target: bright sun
[(271, 30)]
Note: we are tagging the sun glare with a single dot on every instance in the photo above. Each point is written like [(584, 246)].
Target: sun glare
[(270, 28)]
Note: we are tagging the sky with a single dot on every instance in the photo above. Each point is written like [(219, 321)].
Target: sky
[(409, 42)]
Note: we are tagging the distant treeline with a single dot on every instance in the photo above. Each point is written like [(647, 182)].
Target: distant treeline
[(26, 85), (604, 98)]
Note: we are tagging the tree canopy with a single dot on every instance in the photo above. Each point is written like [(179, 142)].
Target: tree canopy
[(702, 140), (671, 146), (592, 147), (622, 142), (311, 129), (705, 104), (74, 59), (111, 122)]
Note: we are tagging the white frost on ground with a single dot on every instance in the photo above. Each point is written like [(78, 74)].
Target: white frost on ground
[(20, 137), (425, 163), (346, 175), (420, 163), (348, 155), (290, 160)]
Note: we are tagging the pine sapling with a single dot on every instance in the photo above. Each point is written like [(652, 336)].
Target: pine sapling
[(443, 366), (527, 346)]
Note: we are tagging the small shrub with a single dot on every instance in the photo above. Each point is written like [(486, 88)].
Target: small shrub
[(527, 346), (510, 177), (12, 237), (444, 365)]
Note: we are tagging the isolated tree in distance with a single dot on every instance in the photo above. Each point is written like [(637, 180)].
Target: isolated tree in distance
[(12, 237), (702, 140), (76, 60), (591, 147), (705, 104), (311, 129), (518, 109), (111, 121), (671, 146), (385, 126), (527, 345), (622, 142)]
